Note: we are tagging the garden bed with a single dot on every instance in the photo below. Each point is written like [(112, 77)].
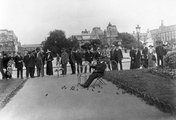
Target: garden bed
[(154, 89)]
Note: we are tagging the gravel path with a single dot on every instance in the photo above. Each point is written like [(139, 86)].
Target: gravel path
[(52, 98)]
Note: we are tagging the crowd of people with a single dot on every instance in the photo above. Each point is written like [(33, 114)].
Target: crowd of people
[(148, 57), (80, 60)]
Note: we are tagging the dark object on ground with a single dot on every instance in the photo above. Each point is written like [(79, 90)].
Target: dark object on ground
[(46, 95), (153, 89)]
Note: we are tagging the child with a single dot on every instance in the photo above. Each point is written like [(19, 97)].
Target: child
[(8, 72)]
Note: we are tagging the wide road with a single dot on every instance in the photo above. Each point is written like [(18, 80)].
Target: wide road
[(44, 99)]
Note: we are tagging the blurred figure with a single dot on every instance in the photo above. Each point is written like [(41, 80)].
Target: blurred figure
[(151, 57), (64, 61), (72, 61), (39, 62), (160, 52), (112, 56), (49, 64), (96, 54), (137, 59), (88, 58), (1, 65), (19, 65), (79, 59), (25, 60), (132, 56), (118, 56), (8, 73), (31, 64), (145, 57)]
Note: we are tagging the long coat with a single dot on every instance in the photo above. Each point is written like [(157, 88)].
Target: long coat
[(39, 60), (64, 58), (132, 55), (49, 64), (118, 55), (19, 62), (137, 60)]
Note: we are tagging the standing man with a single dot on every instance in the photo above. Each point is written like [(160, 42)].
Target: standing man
[(64, 61), (160, 52), (1, 65), (78, 58), (31, 64), (112, 56), (39, 62), (19, 65), (25, 60), (118, 56), (72, 61)]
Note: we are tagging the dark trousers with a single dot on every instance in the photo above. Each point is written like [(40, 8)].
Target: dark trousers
[(39, 71), (93, 76), (27, 72), (160, 58), (120, 62), (64, 66), (73, 68), (20, 72), (31, 72)]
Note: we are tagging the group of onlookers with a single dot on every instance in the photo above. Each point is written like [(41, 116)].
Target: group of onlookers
[(148, 56), (81, 59), (30, 60)]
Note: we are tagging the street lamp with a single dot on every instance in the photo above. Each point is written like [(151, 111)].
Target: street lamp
[(138, 31)]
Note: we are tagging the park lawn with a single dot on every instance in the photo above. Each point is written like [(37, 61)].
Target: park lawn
[(154, 89), (8, 88)]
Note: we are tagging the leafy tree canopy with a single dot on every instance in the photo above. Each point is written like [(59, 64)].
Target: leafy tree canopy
[(129, 40)]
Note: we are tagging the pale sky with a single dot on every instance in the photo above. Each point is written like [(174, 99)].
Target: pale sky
[(32, 20)]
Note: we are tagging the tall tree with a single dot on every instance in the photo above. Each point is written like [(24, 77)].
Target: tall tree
[(56, 41), (129, 40)]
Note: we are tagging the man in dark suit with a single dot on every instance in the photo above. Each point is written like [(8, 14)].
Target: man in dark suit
[(72, 61), (160, 51), (79, 58), (118, 56), (98, 72), (25, 60), (19, 65)]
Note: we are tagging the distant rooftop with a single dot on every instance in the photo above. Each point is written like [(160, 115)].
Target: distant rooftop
[(31, 45)]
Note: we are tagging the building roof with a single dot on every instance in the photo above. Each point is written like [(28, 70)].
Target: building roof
[(31, 45)]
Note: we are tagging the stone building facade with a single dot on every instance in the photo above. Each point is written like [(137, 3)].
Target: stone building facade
[(166, 34), (108, 36), (9, 42)]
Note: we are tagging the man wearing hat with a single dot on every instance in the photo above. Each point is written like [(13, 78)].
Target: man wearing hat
[(160, 51), (118, 56), (98, 72)]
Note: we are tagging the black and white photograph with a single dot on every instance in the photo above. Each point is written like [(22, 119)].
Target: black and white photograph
[(87, 60)]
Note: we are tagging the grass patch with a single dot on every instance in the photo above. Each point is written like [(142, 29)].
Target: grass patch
[(154, 89)]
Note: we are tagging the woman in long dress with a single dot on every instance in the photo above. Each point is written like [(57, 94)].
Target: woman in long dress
[(49, 64)]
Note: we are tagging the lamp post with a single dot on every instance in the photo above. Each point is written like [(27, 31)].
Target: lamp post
[(138, 31)]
